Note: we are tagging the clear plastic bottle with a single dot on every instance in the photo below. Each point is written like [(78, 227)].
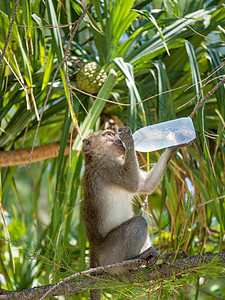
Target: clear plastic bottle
[(164, 135)]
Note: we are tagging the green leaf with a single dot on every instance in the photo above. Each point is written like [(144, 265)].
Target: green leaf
[(58, 48), (150, 17), (134, 97), (153, 47), (162, 104), (48, 69)]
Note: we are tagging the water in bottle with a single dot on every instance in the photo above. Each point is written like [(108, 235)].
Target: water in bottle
[(164, 135)]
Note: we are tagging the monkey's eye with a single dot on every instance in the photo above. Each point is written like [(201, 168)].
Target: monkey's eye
[(109, 134)]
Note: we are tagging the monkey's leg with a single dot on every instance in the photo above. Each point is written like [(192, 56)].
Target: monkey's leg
[(124, 242)]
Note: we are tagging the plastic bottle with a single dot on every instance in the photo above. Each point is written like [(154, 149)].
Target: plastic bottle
[(164, 135)]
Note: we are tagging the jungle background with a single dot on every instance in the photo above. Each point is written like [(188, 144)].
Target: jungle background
[(161, 58)]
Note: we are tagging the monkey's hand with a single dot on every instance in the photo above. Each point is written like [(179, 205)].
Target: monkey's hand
[(125, 135), (183, 145)]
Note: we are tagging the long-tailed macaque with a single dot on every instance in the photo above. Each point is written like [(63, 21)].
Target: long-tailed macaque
[(111, 178)]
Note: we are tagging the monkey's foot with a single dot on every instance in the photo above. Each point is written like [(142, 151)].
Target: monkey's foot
[(151, 255)]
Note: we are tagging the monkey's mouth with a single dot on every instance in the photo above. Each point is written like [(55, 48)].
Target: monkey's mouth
[(119, 144)]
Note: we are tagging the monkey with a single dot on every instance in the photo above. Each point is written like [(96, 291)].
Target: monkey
[(111, 179)]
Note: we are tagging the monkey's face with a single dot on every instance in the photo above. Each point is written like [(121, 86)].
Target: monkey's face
[(104, 142), (113, 143)]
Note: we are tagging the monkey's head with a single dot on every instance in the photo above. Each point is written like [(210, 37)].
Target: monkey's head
[(102, 143)]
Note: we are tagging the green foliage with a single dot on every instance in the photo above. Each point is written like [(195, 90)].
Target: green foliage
[(172, 287), (158, 56)]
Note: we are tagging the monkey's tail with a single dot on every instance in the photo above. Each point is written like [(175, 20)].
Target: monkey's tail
[(95, 295)]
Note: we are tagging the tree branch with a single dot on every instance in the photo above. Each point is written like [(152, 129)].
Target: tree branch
[(210, 93), (158, 272), (22, 156)]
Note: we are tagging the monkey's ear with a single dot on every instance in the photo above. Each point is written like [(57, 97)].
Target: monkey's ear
[(86, 143)]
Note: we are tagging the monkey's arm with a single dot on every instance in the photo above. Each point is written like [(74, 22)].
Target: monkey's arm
[(150, 180), (129, 175)]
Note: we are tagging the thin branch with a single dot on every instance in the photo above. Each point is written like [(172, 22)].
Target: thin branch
[(161, 272), (127, 104), (210, 93), (9, 32), (200, 90), (220, 116), (19, 79), (212, 200), (126, 264), (195, 31)]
